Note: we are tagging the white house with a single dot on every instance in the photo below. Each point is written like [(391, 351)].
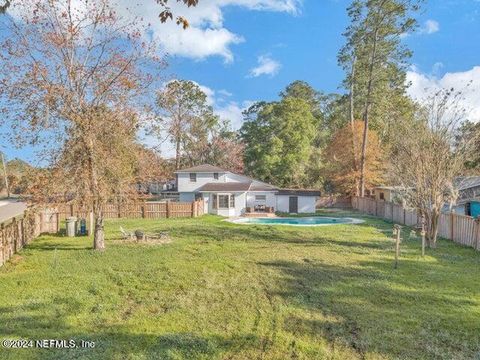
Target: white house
[(228, 194)]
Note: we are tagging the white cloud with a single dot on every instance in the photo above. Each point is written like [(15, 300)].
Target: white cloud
[(467, 82), (437, 67), (232, 112), (224, 107), (225, 93), (430, 27), (207, 34), (266, 66)]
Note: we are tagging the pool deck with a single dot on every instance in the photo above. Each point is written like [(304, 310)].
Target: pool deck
[(259, 215)]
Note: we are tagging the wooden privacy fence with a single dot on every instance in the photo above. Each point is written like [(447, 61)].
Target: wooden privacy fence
[(461, 229), (16, 232), (137, 210), (334, 202)]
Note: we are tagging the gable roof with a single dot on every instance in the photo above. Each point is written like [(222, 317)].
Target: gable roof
[(236, 186), (299, 192), (205, 168), (261, 186), (225, 186), (464, 183)]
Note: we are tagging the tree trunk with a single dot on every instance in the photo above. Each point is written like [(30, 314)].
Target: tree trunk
[(177, 153), (352, 121), (99, 234), (432, 218), (364, 154), (367, 113), (434, 228)]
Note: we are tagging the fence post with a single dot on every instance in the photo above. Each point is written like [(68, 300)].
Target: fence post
[(168, 209), (143, 210), (22, 230), (477, 239), (452, 226), (119, 211), (15, 234)]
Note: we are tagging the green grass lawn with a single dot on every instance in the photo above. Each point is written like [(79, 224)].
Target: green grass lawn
[(225, 291)]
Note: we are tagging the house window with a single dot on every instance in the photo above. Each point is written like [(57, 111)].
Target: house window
[(382, 196), (193, 177), (215, 176), (223, 201), (260, 197)]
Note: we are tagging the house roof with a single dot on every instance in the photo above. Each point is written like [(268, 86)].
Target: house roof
[(225, 186), (299, 192), (205, 168), (467, 182), (259, 186), (236, 186)]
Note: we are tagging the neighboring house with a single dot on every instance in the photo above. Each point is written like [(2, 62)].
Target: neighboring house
[(228, 194), (468, 187), (388, 193), (468, 202), (156, 187)]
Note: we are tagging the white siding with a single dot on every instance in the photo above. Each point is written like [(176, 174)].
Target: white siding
[(230, 177), (282, 203), (185, 185), (270, 199), (239, 209), (187, 197), (306, 204)]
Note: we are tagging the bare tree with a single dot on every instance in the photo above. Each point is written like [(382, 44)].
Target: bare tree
[(165, 15), (75, 78), (5, 177), (427, 158)]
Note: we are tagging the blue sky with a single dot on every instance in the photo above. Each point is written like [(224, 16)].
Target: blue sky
[(241, 51), (305, 46)]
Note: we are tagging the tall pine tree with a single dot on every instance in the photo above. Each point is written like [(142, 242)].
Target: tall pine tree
[(376, 61)]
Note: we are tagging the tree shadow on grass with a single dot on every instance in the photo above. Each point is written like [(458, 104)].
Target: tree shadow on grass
[(57, 245), (372, 308), (37, 321)]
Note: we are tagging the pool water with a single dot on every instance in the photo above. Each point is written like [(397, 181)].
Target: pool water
[(300, 221)]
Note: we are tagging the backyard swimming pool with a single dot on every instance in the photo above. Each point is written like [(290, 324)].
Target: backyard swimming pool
[(300, 221)]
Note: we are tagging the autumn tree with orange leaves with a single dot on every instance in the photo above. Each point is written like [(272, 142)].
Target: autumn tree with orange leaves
[(76, 77), (344, 173)]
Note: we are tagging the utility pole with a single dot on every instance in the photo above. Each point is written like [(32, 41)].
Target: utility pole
[(5, 175)]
